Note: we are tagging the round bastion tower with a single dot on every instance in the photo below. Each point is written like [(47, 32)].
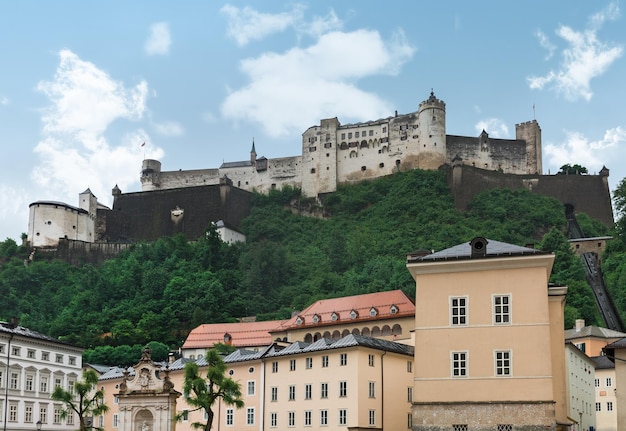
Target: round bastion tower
[(432, 132), (150, 175)]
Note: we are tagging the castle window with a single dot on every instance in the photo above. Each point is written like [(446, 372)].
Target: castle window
[(398, 162), (350, 135), (328, 145), (343, 146), (273, 186), (364, 144), (49, 222), (312, 170), (356, 134), (343, 136), (381, 165), (312, 149), (363, 168), (384, 130), (371, 133), (327, 154)]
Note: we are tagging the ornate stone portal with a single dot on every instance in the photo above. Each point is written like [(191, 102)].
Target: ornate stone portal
[(147, 399)]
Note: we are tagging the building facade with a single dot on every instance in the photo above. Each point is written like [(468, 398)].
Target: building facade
[(31, 366), (489, 339), (581, 393)]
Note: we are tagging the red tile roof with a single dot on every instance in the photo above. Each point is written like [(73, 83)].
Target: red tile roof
[(323, 310), (242, 334)]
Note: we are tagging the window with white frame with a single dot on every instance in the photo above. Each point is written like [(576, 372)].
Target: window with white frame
[(324, 390), (597, 383), (251, 387), (274, 394), (70, 418), (57, 415), (343, 416), (59, 359), (292, 393), (15, 351), (371, 389), (325, 361), (273, 420), (115, 420), (291, 419), (343, 359), (70, 386), (45, 356), (30, 354), (308, 391), (503, 363), (274, 367), (459, 364), (409, 394), (598, 407), (29, 383), (292, 365), (609, 406), (370, 360), (372, 418), (609, 382), (309, 363), (28, 413), (230, 417), (323, 417), (1, 379), (43, 414), (458, 311), (14, 380), (343, 389), (307, 418), (250, 416), (12, 412), (409, 421), (43, 384), (72, 360), (58, 382), (409, 366), (501, 309)]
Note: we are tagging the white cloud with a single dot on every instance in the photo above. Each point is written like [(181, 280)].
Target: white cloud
[(169, 128), (74, 151), (289, 92), (495, 127), (4, 101), (159, 40), (584, 59), (247, 24), (578, 149), (545, 43)]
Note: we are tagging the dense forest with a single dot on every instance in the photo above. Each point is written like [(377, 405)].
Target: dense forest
[(160, 291)]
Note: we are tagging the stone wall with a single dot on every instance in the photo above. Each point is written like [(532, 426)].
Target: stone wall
[(81, 252), (587, 194)]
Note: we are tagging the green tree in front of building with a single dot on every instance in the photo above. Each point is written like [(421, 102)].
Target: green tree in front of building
[(83, 399), (203, 392)]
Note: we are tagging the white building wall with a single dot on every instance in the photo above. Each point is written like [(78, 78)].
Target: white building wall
[(606, 401), (32, 367), (49, 221), (580, 373)]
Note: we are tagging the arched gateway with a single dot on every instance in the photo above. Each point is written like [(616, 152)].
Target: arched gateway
[(147, 399)]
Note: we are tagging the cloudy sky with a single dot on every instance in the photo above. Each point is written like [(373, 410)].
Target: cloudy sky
[(84, 84)]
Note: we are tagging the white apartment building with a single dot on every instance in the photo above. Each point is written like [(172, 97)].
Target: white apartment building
[(31, 366), (580, 375)]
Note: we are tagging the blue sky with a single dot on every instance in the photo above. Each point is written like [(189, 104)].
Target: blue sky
[(84, 84)]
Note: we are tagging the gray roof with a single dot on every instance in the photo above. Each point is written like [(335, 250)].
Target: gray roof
[(241, 164), (28, 333), (464, 251), (592, 331), (350, 340), (603, 362)]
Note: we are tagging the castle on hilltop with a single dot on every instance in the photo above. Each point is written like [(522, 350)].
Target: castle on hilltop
[(334, 154), (187, 201)]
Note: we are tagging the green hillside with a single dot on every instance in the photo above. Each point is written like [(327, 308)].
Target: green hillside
[(160, 291)]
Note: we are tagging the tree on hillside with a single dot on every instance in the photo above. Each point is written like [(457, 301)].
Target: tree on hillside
[(83, 399), (202, 393)]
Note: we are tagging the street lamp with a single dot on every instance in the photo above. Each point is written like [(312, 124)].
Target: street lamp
[(38, 424)]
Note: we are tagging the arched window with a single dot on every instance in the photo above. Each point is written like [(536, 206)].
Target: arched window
[(326, 334), (336, 335), (396, 329), (308, 338), (356, 331), (317, 336), (386, 330), (365, 332), (375, 331), (345, 333)]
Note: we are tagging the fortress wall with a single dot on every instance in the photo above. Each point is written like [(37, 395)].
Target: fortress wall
[(588, 194), (148, 216), (191, 178), (81, 252), (49, 221), (507, 156)]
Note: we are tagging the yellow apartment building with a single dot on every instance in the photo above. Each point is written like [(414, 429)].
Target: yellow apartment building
[(354, 383), (489, 339)]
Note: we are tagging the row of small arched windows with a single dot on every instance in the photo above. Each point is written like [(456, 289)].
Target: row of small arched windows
[(375, 331)]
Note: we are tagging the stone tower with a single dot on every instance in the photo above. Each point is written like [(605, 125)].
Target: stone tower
[(531, 133), (150, 175), (432, 132), (319, 158)]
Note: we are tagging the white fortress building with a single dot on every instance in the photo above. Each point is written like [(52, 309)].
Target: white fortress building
[(333, 154)]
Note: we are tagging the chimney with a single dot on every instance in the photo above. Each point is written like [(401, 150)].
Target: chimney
[(580, 324)]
